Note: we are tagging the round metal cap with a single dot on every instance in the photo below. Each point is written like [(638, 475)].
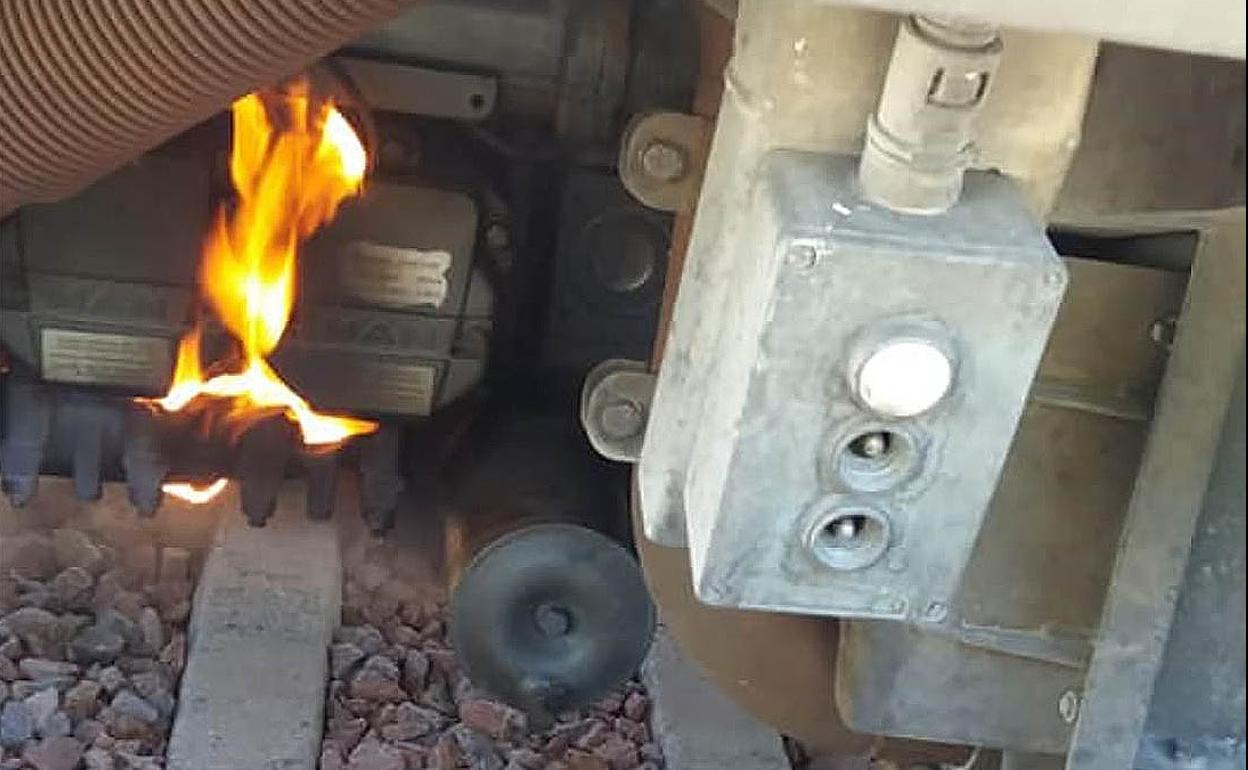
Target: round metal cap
[(551, 617)]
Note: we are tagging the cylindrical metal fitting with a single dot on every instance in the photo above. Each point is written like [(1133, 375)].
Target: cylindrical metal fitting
[(919, 140)]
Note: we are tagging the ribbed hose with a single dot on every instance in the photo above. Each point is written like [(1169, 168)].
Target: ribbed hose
[(86, 85)]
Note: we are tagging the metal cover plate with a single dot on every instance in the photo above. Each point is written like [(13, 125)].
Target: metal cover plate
[(395, 277), (96, 358)]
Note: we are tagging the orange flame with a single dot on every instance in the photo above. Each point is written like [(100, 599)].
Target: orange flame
[(290, 179), (193, 494)]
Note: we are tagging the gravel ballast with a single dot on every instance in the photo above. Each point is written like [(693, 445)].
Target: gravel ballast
[(398, 699), (92, 644)]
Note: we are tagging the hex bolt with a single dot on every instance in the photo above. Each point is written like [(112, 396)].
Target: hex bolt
[(664, 161), (936, 612), (1068, 706), (802, 256), (497, 237), (621, 420)]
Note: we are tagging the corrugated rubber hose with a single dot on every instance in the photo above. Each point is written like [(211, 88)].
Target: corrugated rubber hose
[(87, 85)]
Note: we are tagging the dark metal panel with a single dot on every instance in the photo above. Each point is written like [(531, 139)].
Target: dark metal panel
[(1161, 519), (1200, 690)]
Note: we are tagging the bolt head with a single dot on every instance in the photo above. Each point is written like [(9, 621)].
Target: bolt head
[(802, 256), (1068, 706), (621, 420), (664, 161)]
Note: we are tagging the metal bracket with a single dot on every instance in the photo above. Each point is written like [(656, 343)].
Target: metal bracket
[(661, 159), (615, 406)]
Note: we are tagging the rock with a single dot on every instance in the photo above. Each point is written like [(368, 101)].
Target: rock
[(96, 644), (445, 662), (372, 754), (343, 657), (610, 704), (4, 691), (596, 734), (637, 732), (11, 647), (151, 631), (17, 724), (476, 749), (174, 654), (81, 700), (72, 588), (377, 681), (495, 719), (57, 725), (411, 722), (619, 753), (59, 753), (43, 704), (89, 731), (580, 760), (99, 759), (445, 754), (367, 638), (129, 604), (436, 695), (124, 726), (331, 758), (175, 565), (525, 758), (403, 635), (415, 671), (36, 627), (40, 669), (73, 548), (28, 555), (107, 588), (636, 707), (129, 704), (156, 689), (347, 731), (8, 669), (69, 624), (111, 679)]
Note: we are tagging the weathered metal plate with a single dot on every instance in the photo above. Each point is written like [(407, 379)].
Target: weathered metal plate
[(96, 358), (395, 277)]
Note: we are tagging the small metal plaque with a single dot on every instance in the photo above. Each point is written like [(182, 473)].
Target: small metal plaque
[(396, 387), (94, 358), (394, 276)]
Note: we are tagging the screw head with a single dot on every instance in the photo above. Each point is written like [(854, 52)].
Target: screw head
[(1068, 706), (621, 420), (936, 612), (802, 256), (664, 161)]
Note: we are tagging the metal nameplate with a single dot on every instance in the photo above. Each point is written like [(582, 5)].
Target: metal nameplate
[(395, 276), (105, 359), (392, 387)]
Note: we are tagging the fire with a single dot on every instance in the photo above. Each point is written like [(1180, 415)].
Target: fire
[(194, 494), (293, 160)]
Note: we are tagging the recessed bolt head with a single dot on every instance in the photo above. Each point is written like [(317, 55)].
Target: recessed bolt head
[(664, 161), (1068, 706), (621, 420)]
